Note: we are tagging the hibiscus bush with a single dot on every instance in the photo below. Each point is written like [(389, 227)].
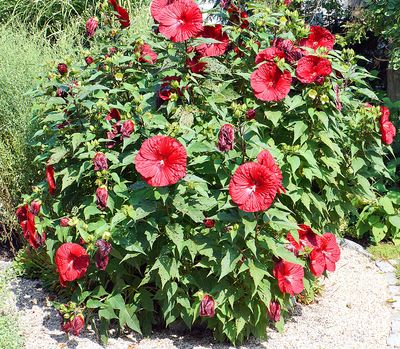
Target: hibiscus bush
[(199, 178)]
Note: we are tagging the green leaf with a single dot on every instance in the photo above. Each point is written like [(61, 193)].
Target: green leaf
[(228, 263)]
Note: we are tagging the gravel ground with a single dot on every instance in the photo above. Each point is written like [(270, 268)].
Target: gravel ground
[(351, 313)]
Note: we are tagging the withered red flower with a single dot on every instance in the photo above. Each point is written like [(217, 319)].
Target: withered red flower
[(319, 37), (62, 68), (207, 306), (147, 55), (72, 262), (213, 49), (50, 179), (274, 311), (91, 26), (226, 138), (181, 20), (103, 250), (113, 114), (74, 326), (34, 207), (127, 128), (196, 65), (161, 161), (122, 14), (101, 197), (167, 89), (250, 114), (269, 83), (100, 162), (253, 187), (313, 69), (290, 277)]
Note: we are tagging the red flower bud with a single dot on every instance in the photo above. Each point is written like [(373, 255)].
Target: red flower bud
[(207, 306), (274, 311), (250, 114), (209, 223), (89, 60), (22, 213), (64, 222), (100, 162), (35, 207), (50, 179), (91, 26), (104, 249), (62, 68), (101, 198), (127, 128), (226, 138)]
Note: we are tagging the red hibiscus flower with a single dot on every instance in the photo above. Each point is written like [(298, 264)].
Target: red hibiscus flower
[(74, 326), (122, 14), (157, 7), (100, 162), (290, 277), (181, 20), (274, 311), (238, 16), (269, 83), (50, 179), (266, 159), (307, 238), (226, 138), (91, 26), (72, 262), (213, 49), (253, 187), (207, 306), (161, 161), (101, 197), (103, 250), (325, 256), (388, 130), (147, 55), (319, 37), (269, 54), (313, 69)]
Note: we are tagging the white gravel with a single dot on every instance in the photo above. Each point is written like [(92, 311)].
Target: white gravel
[(351, 313)]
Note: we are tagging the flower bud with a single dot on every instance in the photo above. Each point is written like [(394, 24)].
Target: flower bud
[(209, 223), (64, 222), (226, 138), (100, 162), (274, 311), (62, 68), (250, 114), (207, 306), (127, 128), (91, 26), (89, 60)]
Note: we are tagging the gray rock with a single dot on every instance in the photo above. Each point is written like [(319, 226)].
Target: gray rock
[(391, 279), (394, 340), (384, 266)]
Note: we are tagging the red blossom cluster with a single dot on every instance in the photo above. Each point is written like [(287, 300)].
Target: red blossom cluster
[(26, 219)]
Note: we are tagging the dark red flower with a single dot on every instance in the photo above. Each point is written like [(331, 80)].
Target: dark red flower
[(307, 238), (127, 128), (207, 306), (226, 138), (147, 55), (269, 54), (266, 159), (89, 60), (269, 83), (122, 14), (213, 49), (181, 20), (100, 162), (62, 68), (161, 161), (113, 114), (209, 223), (103, 250), (74, 326), (35, 207), (50, 179), (292, 52), (91, 25), (30, 233), (325, 256), (253, 187), (157, 7), (167, 89), (64, 222), (388, 130), (250, 114), (319, 37), (313, 69), (111, 135), (72, 262), (101, 197), (196, 65), (22, 213), (238, 16), (274, 311), (290, 277)]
